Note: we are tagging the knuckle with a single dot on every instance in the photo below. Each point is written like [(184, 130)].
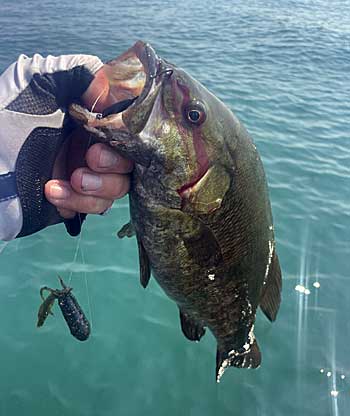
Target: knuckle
[(76, 177), (93, 154), (127, 166)]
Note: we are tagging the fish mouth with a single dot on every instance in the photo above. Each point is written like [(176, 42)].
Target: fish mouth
[(135, 78), (138, 73), (132, 73), (132, 77)]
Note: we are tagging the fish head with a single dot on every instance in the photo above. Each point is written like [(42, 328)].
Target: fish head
[(180, 135)]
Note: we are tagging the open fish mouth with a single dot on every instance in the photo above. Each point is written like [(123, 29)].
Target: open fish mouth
[(132, 74), (131, 77), (135, 78)]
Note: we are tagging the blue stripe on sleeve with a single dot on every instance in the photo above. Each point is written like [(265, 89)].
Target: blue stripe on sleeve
[(8, 186)]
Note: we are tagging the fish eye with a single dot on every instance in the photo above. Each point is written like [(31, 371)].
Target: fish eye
[(195, 113)]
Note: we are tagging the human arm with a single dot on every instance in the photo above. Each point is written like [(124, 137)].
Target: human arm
[(36, 144)]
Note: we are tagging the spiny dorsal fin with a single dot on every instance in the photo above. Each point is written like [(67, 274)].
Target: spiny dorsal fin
[(271, 292), (145, 268)]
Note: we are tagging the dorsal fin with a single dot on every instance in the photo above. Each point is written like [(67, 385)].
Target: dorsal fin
[(270, 298)]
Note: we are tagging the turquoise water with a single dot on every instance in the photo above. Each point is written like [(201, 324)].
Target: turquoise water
[(284, 68)]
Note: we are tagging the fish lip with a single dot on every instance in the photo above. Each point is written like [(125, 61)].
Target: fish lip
[(157, 70), (151, 63)]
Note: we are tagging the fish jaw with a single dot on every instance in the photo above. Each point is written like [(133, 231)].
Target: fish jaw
[(131, 74), (130, 77)]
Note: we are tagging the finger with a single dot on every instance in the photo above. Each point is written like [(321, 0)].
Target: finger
[(66, 213), (60, 193), (101, 158), (102, 185)]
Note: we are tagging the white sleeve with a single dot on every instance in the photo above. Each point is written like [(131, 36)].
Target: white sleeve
[(19, 75)]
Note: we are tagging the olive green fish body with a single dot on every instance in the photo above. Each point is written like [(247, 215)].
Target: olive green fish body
[(212, 265), (199, 204)]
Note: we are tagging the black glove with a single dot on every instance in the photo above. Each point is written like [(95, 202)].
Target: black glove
[(34, 95)]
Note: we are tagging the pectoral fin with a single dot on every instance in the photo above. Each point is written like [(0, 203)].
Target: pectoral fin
[(203, 246), (145, 268), (271, 293), (127, 230)]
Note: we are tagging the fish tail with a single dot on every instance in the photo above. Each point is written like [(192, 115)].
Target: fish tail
[(247, 359)]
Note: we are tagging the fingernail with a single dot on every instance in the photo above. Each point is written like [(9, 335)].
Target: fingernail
[(90, 182), (59, 192), (107, 159)]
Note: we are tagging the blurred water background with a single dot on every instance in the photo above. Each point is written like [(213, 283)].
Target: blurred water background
[(283, 67)]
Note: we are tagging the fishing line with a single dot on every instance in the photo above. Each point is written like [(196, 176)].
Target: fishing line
[(97, 99), (75, 257), (78, 246), (87, 288), (3, 244), (81, 231)]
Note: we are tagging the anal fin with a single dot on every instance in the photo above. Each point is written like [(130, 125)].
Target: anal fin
[(270, 298), (190, 328), (246, 359)]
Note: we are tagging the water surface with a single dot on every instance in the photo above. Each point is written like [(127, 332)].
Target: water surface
[(284, 68)]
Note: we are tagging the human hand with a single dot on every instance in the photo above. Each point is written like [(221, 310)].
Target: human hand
[(91, 189), (102, 174), (33, 107)]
